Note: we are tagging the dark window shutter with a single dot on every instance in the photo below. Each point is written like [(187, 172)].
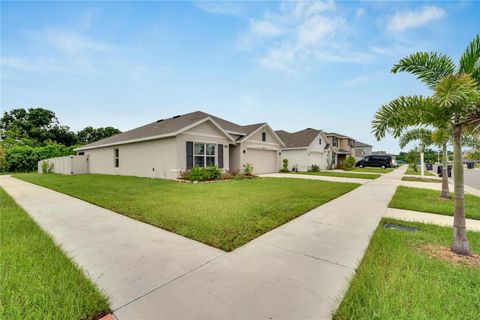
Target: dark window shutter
[(220, 156), (189, 155)]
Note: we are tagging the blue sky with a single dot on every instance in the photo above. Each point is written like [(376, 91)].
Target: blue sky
[(293, 64)]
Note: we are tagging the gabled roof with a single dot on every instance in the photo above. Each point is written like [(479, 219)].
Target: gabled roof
[(337, 135), (173, 126), (299, 139)]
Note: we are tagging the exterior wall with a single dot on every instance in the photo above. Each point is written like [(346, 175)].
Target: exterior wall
[(255, 142), (235, 154), (361, 152), (66, 165), (151, 159), (304, 158), (206, 133)]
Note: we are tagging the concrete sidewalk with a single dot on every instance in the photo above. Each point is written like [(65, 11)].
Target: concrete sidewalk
[(125, 257), (437, 186), (299, 270), (431, 218), (315, 177)]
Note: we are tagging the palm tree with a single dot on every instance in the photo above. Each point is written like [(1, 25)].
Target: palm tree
[(455, 105), (424, 136), (440, 137)]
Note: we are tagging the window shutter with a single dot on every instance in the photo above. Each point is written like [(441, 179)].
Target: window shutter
[(220, 156), (189, 155)]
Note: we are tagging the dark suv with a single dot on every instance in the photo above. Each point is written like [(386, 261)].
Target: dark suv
[(376, 161)]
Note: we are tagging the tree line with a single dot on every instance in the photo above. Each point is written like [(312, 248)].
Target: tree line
[(30, 135)]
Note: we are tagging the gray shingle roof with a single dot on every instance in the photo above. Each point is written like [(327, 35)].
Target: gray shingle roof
[(361, 144), (170, 126), (299, 139)]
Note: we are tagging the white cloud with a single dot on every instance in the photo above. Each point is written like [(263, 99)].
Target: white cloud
[(416, 18), (14, 62), (360, 12), (265, 28), (299, 33), (71, 42)]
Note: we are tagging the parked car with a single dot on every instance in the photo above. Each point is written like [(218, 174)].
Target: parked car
[(382, 161)]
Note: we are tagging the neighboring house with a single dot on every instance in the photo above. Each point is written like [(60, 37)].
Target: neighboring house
[(362, 150), (305, 148), (164, 148), (342, 147)]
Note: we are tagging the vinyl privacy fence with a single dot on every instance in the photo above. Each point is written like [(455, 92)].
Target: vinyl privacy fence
[(64, 165)]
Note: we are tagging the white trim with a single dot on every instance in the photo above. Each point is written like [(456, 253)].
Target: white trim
[(262, 147), (173, 134), (237, 133), (297, 148), (265, 125)]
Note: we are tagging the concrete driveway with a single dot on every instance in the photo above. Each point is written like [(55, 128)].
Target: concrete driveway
[(297, 271)]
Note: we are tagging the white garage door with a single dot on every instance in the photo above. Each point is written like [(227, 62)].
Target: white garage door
[(317, 158), (263, 161)]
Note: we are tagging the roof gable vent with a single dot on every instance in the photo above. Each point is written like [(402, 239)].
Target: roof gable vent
[(309, 129), (176, 117), (160, 120)]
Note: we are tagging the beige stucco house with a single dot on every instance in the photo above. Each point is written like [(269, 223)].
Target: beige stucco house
[(306, 148), (165, 147), (362, 150), (342, 147)]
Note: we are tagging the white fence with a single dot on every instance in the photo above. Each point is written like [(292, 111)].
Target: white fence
[(66, 165)]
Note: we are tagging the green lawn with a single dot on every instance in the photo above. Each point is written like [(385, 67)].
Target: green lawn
[(420, 179), (342, 174), (37, 280), (417, 173), (396, 280), (225, 215), (429, 201), (372, 169)]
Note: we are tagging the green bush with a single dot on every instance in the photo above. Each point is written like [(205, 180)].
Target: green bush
[(202, 174), (284, 166), (314, 168), (25, 158), (248, 169), (349, 163), (44, 167)]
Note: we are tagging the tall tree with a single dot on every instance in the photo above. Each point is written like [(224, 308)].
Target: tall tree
[(90, 134), (455, 105), (440, 137), (36, 125), (424, 136)]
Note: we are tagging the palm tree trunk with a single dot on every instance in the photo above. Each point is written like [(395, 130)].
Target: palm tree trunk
[(460, 243), (445, 191)]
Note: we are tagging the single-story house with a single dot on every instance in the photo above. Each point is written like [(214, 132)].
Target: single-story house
[(342, 147), (305, 148), (162, 149), (362, 150)]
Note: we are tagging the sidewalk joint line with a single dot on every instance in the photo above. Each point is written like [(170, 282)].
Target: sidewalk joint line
[(168, 282), (310, 256)]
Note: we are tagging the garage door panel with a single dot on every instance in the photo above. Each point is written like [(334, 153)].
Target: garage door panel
[(263, 161)]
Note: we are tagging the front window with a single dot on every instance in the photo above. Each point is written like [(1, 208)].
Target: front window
[(204, 154), (320, 141), (264, 136), (335, 141)]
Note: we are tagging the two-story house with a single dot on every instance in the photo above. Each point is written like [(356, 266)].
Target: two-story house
[(342, 147)]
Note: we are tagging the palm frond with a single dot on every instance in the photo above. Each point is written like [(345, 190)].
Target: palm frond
[(441, 136), (430, 68), (421, 134), (456, 90), (470, 60), (401, 113)]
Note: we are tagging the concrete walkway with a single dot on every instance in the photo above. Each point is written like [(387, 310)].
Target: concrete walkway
[(297, 271), (437, 186), (431, 218), (125, 257), (315, 177)]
